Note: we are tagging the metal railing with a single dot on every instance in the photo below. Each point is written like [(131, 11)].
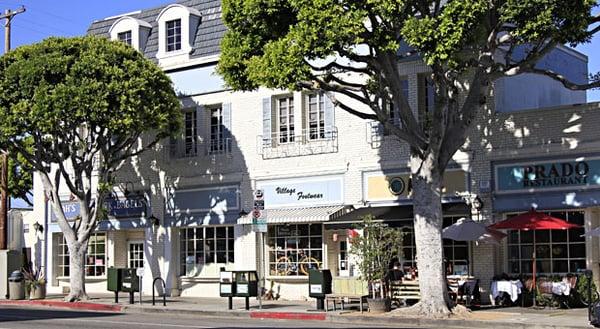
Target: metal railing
[(189, 148), (307, 142)]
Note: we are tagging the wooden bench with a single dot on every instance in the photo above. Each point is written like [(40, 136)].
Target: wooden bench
[(347, 290), (403, 291)]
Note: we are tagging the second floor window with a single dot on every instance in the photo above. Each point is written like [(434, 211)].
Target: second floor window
[(173, 35), (190, 133), (217, 136), (285, 119), (125, 37), (316, 116)]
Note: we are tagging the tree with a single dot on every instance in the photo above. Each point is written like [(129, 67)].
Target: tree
[(351, 49), (88, 104), (376, 248)]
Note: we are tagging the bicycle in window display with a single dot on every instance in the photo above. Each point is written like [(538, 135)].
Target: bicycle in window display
[(287, 265)]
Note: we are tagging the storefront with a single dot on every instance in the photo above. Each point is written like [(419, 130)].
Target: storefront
[(565, 187), (201, 222), (122, 230), (295, 210), (388, 198)]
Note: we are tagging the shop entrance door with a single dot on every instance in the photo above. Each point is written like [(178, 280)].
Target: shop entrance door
[(343, 259), (135, 254)]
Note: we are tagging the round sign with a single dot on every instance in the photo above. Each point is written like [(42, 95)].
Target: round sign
[(396, 185), (256, 213), (258, 194)]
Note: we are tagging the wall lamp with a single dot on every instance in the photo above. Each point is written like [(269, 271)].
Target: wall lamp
[(154, 220), (38, 227)]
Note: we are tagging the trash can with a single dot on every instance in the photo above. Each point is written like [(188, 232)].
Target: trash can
[(319, 285), (16, 286)]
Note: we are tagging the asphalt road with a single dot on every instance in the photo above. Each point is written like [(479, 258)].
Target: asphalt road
[(13, 317)]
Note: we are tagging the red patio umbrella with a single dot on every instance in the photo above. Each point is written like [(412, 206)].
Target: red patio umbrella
[(533, 220)]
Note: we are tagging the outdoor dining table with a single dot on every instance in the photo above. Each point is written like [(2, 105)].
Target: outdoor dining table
[(511, 287)]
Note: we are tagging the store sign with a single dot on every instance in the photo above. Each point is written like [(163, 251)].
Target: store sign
[(130, 207), (562, 174), (302, 191), (390, 187)]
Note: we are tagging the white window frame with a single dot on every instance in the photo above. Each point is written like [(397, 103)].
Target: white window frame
[(318, 131), (126, 37), (217, 131), (131, 260), (190, 142), (174, 33), (190, 19), (290, 127), (63, 253)]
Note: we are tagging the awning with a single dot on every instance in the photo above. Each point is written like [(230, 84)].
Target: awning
[(396, 215), (298, 215)]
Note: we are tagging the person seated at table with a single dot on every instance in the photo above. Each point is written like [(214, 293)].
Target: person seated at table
[(395, 273)]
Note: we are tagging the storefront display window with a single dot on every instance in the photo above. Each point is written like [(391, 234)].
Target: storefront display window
[(456, 253), (201, 246), (95, 259), (557, 251), (294, 249)]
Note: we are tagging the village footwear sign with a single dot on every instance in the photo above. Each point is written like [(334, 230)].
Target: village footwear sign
[(562, 174), (308, 191)]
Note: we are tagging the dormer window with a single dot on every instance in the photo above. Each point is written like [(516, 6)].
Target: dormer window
[(132, 31), (125, 37), (173, 29), (177, 27)]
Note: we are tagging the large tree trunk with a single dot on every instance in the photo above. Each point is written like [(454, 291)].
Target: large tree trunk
[(77, 254), (427, 204)]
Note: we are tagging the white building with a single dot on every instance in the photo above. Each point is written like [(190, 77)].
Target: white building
[(182, 209)]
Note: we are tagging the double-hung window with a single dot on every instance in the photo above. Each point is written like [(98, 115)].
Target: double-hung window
[(173, 34), (190, 134), (217, 130), (285, 119), (316, 116), (125, 37)]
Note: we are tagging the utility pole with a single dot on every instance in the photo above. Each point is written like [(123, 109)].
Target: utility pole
[(8, 17)]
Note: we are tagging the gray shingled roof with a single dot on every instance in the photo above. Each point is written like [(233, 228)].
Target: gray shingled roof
[(208, 36)]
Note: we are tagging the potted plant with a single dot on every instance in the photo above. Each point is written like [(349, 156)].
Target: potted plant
[(35, 282), (375, 248)]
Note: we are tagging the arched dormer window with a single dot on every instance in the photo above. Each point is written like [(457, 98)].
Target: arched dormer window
[(131, 30), (177, 26)]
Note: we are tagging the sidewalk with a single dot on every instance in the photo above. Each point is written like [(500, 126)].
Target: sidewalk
[(513, 317)]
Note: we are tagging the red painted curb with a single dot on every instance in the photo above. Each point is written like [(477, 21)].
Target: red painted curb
[(288, 316), (61, 304)]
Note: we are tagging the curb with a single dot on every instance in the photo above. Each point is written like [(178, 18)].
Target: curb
[(333, 318), (84, 306)]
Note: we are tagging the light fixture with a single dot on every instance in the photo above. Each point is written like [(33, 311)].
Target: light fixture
[(125, 188), (477, 203), (154, 220), (243, 213), (38, 227)]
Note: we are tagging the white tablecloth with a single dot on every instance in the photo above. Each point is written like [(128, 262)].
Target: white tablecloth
[(512, 288)]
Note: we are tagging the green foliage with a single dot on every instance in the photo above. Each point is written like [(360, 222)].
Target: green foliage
[(375, 248), (56, 86), (20, 174)]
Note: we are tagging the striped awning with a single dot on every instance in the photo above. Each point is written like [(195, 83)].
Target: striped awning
[(297, 215)]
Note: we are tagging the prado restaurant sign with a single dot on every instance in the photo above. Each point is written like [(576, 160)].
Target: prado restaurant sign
[(561, 174)]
